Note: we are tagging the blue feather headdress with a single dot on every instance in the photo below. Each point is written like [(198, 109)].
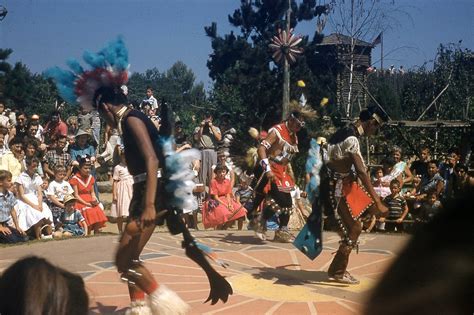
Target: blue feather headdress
[(108, 67)]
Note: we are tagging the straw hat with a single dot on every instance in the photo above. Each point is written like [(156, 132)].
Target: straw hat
[(81, 132), (69, 198)]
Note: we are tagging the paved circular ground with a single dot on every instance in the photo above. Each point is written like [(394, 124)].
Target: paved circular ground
[(267, 277)]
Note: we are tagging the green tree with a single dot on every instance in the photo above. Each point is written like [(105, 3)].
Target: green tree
[(44, 97), (5, 68), (406, 97), (177, 87), (19, 86), (242, 59)]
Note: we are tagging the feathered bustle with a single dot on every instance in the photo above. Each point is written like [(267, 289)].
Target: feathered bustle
[(313, 166), (177, 174)]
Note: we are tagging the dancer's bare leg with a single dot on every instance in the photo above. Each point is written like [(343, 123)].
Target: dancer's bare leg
[(353, 227), (129, 250)]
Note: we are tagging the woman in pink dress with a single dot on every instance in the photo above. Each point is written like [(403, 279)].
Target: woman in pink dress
[(222, 208), (83, 185)]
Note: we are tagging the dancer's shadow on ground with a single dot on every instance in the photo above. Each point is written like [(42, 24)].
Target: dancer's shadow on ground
[(106, 309), (231, 238), (290, 277)]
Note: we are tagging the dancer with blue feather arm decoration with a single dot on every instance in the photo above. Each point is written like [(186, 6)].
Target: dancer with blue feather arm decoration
[(313, 166), (345, 194), (158, 195), (309, 240)]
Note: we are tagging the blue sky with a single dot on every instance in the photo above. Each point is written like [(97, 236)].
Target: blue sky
[(158, 33)]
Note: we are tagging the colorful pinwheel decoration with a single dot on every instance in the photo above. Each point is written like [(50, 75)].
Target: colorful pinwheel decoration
[(284, 46)]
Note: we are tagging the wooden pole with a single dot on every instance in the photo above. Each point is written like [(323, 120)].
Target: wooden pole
[(286, 73), (381, 52)]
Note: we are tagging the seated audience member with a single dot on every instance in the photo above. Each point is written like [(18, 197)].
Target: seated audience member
[(20, 129), (430, 207), (432, 181), (244, 196), (400, 167), (8, 234), (12, 161), (222, 158), (420, 167), (84, 119), (84, 147), (39, 133), (57, 190), (389, 172), (71, 140), (446, 169), (34, 286), (397, 208), (4, 120), (106, 159), (72, 125), (32, 135), (83, 184), (57, 157), (459, 183), (71, 222), (30, 148), (35, 217), (54, 128), (380, 183), (222, 209), (3, 148)]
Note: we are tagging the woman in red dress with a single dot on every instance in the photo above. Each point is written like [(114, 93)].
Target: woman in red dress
[(83, 184), (222, 209)]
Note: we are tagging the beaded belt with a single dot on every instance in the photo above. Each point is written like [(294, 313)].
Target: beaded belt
[(142, 177)]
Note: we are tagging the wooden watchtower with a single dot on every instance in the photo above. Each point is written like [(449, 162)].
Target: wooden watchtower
[(349, 100)]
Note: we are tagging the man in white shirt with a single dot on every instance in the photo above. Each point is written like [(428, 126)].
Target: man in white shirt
[(35, 121), (150, 101)]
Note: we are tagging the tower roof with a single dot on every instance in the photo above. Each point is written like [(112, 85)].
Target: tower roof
[(340, 39)]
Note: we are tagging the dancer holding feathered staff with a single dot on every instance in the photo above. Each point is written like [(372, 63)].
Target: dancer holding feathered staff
[(273, 181), (155, 200)]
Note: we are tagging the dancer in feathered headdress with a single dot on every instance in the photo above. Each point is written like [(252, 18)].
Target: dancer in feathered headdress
[(273, 180), (154, 201)]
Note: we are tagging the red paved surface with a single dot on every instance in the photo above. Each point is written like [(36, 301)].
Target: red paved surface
[(267, 277)]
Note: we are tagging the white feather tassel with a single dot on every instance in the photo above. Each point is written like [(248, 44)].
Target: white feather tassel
[(166, 302)]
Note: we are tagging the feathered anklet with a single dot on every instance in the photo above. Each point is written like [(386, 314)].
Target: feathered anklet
[(166, 302)]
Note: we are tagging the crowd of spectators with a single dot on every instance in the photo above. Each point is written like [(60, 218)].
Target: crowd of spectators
[(47, 173), (414, 192), (43, 166)]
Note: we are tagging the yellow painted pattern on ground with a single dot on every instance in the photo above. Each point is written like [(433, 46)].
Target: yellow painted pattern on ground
[(364, 285), (250, 286)]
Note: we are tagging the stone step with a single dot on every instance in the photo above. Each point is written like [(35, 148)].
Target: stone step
[(106, 199), (104, 187)]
